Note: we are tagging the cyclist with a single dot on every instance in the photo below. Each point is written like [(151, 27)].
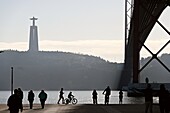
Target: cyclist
[(70, 96), (71, 99)]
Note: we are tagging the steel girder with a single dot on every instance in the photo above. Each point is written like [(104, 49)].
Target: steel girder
[(144, 17)]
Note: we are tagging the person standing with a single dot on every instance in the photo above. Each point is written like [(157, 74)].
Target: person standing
[(43, 96), (148, 98), (61, 96), (163, 99), (120, 96), (31, 98), (94, 96), (107, 93), (20, 94), (14, 103)]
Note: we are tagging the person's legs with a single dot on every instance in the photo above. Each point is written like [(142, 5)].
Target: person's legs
[(62, 100), (93, 101), (59, 100), (30, 104), (146, 107), (14, 111), (161, 108), (121, 100), (105, 99), (42, 103), (166, 110), (150, 107), (96, 100)]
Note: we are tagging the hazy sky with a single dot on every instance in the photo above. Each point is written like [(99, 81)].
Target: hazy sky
[(94, 27)]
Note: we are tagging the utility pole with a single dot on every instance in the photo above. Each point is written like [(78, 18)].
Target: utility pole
[(12, 80)]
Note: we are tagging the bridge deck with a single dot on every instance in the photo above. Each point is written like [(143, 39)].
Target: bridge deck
[(85, 108)]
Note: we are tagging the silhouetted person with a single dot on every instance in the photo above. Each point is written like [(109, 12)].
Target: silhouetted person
[(20, 93), (94, 96), (31, 98), (61, 96), (43, 97), (14, 103), (163, 99), (107, 93), (147, 80), (70, 96), (148, 98), (120, 96)]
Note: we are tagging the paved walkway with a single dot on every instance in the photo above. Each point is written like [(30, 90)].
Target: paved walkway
[(84, 108)]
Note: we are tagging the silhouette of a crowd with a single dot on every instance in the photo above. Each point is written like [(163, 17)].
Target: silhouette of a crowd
[(15, 100), (164, 99)]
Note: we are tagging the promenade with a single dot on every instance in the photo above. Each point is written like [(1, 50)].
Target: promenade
[(85, 108)]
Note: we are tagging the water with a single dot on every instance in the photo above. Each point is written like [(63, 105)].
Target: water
[(84, 97)]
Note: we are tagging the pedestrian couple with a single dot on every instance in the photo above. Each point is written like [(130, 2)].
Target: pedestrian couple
[(42, 96), (106, 92)]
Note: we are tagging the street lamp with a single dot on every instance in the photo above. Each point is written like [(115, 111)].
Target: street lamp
[(12, 81), (12, 74)]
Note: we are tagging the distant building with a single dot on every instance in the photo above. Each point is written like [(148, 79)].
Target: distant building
[(33, 42)]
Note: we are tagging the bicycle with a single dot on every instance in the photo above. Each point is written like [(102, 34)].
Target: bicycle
[(73, 101)]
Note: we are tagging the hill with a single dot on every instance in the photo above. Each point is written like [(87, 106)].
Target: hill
[(53, 70), (155, 71)]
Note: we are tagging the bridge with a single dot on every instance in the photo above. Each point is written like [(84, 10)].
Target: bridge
[(143, 16)]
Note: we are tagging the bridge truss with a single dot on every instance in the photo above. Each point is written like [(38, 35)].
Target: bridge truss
[(140, 18)]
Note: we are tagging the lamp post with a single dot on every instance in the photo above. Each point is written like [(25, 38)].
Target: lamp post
[(12, 81)]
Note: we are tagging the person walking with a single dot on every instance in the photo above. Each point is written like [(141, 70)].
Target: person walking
[(20, 94), (14, 103), (148, 92), (94, 96), (120, 96), (163, 99), (43, 96), (107, 93), (61, 96), (31, 98)]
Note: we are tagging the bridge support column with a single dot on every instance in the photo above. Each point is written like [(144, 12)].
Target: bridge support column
[(136, 50)]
